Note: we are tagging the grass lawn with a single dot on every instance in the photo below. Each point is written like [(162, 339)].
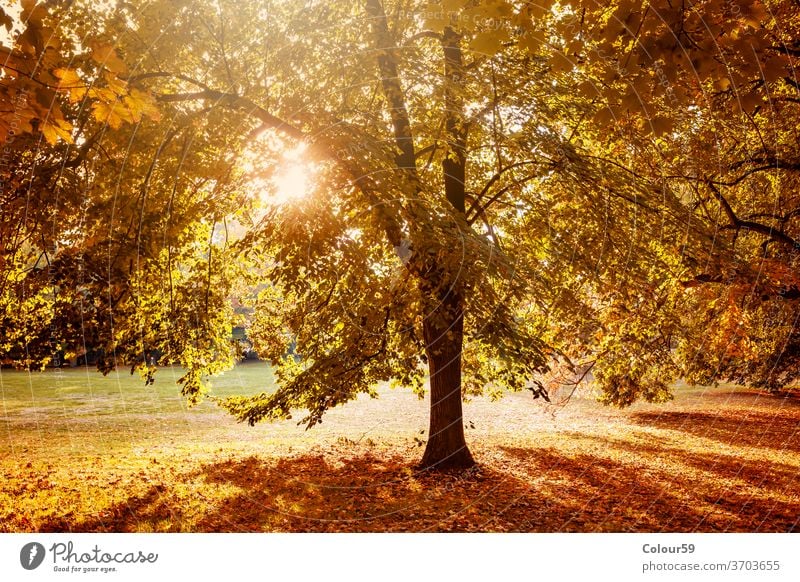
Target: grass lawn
[(79, 452)]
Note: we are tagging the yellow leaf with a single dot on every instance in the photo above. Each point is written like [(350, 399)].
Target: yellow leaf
[(115, 84), (588, 89), (142, 103), (105, 55), (68, 78), (103, 94), (488, 42), (631, 100), (107, 113), (53, 131), (76, 94), (71, 83)]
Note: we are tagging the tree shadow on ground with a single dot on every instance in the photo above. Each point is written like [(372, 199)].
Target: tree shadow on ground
[(314, 494), (660, 488), (769, 475), (546, 492), (750, 429), (787, 400)]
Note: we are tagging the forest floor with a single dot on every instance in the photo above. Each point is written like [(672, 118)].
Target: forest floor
[(79, 452)]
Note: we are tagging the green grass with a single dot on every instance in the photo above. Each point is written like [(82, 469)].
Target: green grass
[(84, 391), (79, 405)]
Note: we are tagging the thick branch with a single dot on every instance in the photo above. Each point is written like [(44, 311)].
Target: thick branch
[(390, 81), (454, 164), (767, 161), (738, 224), (237, 102)]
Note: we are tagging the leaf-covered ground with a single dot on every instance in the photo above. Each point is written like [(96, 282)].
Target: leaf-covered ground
[(84, 454)]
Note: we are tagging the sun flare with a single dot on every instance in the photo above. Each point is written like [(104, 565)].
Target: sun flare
[(292, 180), (286, 177), (290, 183)]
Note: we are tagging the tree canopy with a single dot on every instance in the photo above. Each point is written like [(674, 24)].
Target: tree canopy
[(461, 196)]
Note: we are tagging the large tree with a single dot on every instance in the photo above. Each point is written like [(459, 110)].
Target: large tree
[(489, 195)]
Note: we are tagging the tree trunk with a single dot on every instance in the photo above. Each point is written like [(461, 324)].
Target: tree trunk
[(444, 335), (444, 327)]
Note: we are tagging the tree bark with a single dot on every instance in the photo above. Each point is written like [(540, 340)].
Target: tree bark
[(444, 336), (444, 327)]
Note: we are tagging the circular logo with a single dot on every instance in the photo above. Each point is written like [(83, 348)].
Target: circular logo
[(31, 555)]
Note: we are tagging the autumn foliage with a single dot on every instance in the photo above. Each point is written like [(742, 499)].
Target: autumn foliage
[(505, 195)]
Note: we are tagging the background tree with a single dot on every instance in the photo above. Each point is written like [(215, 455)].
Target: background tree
[(724, 106)]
